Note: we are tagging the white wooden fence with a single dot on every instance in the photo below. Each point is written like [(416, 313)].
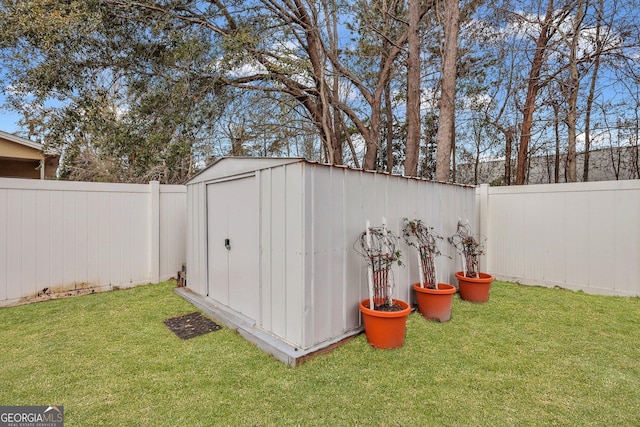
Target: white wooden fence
[(582, 236), (67, 235), (70, 235)]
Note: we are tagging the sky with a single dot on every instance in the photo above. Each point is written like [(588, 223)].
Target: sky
[(8, 119)]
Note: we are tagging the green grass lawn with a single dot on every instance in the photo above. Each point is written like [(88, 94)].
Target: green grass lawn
[(529, 357)]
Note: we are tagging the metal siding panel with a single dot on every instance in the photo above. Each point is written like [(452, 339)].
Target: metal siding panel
[(196, 240), (338, 253), (436, 211), (441, 218), (217, 231), (394, 214), (371, 205), (278, 254), (294, 276), (308, 258), (195, 269), (202, 248), (322, 247), (415, 208), (355, 268), (191, 235), (243, 259), (265, 250), (233, 166)]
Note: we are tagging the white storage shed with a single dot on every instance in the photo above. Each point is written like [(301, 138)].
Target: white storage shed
[(270, 245)]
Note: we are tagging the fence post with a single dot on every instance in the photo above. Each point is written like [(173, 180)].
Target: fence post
[(483, 224), (154, 231)]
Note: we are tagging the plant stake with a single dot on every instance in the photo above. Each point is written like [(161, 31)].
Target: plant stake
[(369, 266)]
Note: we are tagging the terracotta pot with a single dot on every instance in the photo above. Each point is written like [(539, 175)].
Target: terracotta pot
[(385, 329), (435, 304), (474, 289)]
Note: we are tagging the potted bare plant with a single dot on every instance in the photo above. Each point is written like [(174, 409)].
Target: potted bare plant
[(435, 299), (384, 317), (473, 284)]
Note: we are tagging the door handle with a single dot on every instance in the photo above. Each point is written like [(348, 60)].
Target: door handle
[(227, 244)]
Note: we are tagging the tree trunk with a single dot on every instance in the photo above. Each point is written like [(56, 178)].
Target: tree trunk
[(592, 90), (556, 129), (574, 82), (446, 121), (389, 113), (508, 144), (413, 91), (338, 130), (532, 92)]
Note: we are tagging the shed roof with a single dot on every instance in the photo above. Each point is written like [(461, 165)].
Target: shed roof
[(235, 166)]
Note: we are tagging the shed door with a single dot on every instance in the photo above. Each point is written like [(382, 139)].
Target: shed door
[(232, 209)]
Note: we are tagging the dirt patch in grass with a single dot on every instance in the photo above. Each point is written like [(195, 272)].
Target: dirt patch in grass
[(47, 294), (191, 325)]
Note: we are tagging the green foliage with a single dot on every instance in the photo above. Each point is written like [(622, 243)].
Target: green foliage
[(118, 91)]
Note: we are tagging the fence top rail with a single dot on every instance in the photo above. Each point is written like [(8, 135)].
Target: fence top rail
[(573, 187), (173, 188), (54, 185)]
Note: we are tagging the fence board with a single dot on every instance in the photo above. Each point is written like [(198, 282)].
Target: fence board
[(583, 236), (69, 235)]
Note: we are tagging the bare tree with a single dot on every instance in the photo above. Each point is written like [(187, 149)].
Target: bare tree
[(572, 92), (446, 122), (548, 26), (413, 91)]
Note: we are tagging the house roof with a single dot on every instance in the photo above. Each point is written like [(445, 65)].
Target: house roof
[(22, 141)]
